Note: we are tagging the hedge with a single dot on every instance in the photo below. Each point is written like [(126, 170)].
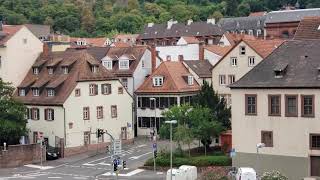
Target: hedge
[(199, 161)]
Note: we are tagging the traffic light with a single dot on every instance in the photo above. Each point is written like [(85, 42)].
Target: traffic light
[(99, 132), (115, 165), (155, 153), (124, 164)]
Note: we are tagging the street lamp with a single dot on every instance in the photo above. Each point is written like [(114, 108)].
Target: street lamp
[(259, 146), (171, 122), (155, 116)]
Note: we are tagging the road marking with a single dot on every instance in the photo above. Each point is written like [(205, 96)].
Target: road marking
[(159, 173), (38, 167), (54, 177), (137, 157), (104, 164), (143, 145), (134, 172)]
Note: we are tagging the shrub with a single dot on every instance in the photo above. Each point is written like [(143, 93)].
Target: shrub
[(273, 175), (214, 173)]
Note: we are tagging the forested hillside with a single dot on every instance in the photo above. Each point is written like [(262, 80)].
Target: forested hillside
[(106, 17)]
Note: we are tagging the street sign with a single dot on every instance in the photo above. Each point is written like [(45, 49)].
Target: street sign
[(128, 125), (233, 152), (117, 146)]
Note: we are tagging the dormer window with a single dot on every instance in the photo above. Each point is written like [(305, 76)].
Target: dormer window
[(65, 70), (81, 43), (50, 70), (35, 70), (124, 64), (50, 92), (35, 92), (94, 69), (22, 92), (107, 64), (280, 70), (158, 81), (168, 58), (190, 80)]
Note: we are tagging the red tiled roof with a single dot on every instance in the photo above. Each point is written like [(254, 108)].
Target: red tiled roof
[(219, 50), (8, 31), (93, 42), (309, 28), (120, 44), (62, 83), (264, 47), (174, 79), (235, 38), (126, 36), (191, 39)]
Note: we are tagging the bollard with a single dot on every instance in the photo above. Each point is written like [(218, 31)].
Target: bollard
[(4, 146)]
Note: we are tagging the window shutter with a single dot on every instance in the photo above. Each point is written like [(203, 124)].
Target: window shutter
[(96, 89), (45, 114), (32, 113), (88, 113), (29, 113), (52, 114), (102, 85), (38, 114), (109, 89)]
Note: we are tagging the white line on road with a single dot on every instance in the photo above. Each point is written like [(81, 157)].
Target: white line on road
[(134, 172), (54, 177), (137, 157), (104, 164), (38, 167)]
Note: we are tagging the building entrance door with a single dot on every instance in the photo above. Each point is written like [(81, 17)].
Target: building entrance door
[(315, 165)]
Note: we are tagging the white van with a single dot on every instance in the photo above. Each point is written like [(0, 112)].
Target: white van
[(246, 173)]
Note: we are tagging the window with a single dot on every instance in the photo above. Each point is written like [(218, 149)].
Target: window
[(180, 57), (232, 79), (251, 61), (142, 63), (267, 138), (233, 61), (250, 32), (124, 64), (258, 32), (86, 113), (291, 105), (49, 114), (35, 70), (307, 105), (168, 58), (93, 89), (114, 113), (242, 50), (190, 80), (35, 114), (107, 64), (86, 137), (124, 82), (50, 70), (50, 92), (99, 112), (315, 141), (120, 90), (35, 92), (222, 80), (77, 92), (105, 88), (157, 81), (25, 40), (251, 104), (94, 69), (22, 92), (144, 122), (65, 70), (274, 102)]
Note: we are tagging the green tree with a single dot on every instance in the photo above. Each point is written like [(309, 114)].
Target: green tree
[(87, 20), (217, 15), (133, 4), (12, 121), (66, 24), (231, 8), (183, 134), (244, 9)]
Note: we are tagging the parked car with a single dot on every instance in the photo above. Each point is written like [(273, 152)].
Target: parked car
[(242, 173), (52, 153)]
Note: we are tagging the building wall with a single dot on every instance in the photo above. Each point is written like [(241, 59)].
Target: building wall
[(276, 30), (141, 72), (17, 57), (189, 52), (211, 57), (59, 47), (74, 113), (224, 41), (290, 134), (225, 68)]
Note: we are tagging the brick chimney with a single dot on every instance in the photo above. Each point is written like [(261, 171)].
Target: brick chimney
[(201, 51), (153, 57), (46, 50)]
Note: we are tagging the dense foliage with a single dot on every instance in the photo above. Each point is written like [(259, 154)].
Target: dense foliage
[(12, 121), (105, 17)]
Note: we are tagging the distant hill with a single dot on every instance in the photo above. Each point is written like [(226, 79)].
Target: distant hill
[(107, 17)]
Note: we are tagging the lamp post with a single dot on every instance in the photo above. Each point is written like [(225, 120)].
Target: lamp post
[(171, 122), (259, 146), (155, 116)]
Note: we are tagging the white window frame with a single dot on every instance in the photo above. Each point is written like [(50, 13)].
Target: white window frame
[(242, 50), (123, 64), (142, 64), (107, 64), (35, 92), (51, 92), (50, 114), (233, 61), (157, 81), (35, 114), (222, 80), (85, 113), (259, 32), (65, 70), (22, 92), (99, 112), (106, 89), (250, 58), (250, 32), (190, 80), (94, 69), (35, 70), (50, 70), (231, 78), (92, 89)]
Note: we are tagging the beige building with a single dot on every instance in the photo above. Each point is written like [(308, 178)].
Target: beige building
[(277, 104), (239, 60), (19, 48), (69, 95)]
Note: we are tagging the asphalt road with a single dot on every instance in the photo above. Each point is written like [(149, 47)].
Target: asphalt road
[(85, 167)]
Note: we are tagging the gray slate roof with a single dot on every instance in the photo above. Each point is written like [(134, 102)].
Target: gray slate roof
[(180, 29), (201, 67), (98, 52), (39, 30), (242, 23), (301, 59), (290, 15)]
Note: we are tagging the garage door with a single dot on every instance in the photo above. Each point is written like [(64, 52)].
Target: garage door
[(315, 166)]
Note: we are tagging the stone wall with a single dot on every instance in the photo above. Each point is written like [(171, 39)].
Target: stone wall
[(17, 155)]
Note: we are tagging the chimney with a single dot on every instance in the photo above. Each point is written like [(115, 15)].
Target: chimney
[(46, 50), (150, 24), (170, 23), (201, 51), (180, 57), (212, 21), (190, 21), (153, 58)]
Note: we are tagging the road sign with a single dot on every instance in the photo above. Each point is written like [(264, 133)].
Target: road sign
[(117, 146), (233, 153)]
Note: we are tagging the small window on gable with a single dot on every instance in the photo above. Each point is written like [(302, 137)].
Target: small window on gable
[(50, 70), (158, 81), (35, 70), (222, 80), (242, 50), (22, 92), (120, 90), (168, 58), (77, 92), (190, 80), (142, 63), (25, 40), (232, 79), (251, 61), (65, 70), (233, 61), (94, 69), (124, 64)]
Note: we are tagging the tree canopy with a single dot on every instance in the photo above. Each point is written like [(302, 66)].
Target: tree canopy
[(12, 121), (100, 17)]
